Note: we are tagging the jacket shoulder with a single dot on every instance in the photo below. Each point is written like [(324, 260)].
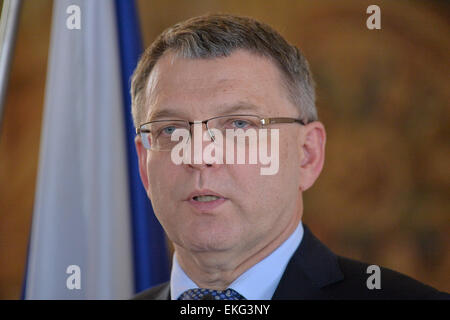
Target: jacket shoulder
[(392, 284), (159, 292)]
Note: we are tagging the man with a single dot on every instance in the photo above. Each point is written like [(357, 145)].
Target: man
[(237, 233)]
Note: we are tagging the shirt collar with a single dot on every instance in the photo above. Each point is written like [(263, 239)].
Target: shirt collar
[(257, 283)]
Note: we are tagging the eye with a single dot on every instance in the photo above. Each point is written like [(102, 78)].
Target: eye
[(168, 130), (240, 124)]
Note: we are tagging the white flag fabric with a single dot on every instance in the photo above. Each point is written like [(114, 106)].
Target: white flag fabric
[(82, 213)]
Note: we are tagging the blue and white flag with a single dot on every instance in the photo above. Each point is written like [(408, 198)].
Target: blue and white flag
[(151, 263), (81, 243)]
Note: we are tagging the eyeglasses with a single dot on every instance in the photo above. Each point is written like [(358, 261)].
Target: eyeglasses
[(156, 135)]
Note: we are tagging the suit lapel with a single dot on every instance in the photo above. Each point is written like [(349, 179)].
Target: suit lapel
[(164, 293), (312, 267)]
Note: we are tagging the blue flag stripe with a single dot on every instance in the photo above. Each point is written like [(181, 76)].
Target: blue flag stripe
[(151, 263)]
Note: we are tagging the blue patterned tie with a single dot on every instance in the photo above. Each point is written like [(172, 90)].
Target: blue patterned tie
[(208, 294)]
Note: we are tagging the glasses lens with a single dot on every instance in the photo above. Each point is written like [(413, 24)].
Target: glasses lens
[(164, 135), (146, 140), (235, 122)]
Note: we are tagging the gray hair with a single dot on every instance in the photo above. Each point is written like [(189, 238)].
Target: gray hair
[(218, 35)]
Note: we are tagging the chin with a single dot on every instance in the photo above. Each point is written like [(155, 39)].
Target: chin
[(213, 239)]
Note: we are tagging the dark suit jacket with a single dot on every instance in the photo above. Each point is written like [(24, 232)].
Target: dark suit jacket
[(314, 272)]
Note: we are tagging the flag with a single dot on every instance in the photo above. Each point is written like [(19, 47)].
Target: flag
[(151, 263), (81, 243)]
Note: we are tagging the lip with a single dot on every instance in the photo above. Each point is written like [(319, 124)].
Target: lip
[(205, 206), (204, 192)]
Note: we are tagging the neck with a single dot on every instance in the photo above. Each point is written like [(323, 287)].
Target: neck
[(217, 270)]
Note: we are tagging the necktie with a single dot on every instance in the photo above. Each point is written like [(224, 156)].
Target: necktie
[(208, 294)]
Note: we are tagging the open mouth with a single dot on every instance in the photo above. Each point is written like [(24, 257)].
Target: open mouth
[(206, 198)]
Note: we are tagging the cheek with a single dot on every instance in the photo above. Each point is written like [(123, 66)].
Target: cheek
[(275, 190), (164, 190), (162, 177), (289, 158), (250, 181), (256, 193)]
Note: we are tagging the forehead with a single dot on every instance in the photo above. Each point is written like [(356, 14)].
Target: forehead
[(201, 88)]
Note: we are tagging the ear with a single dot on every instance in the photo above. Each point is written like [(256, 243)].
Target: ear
[(142, 159), (312, 145)]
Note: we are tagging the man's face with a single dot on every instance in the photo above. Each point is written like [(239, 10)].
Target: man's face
[(257, 208)]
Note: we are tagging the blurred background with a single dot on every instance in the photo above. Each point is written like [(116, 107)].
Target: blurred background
[(383, 96)]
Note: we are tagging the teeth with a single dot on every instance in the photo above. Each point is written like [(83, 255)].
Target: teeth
[(205, 198)]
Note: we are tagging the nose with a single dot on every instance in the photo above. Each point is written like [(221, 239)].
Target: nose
[(198, 145)]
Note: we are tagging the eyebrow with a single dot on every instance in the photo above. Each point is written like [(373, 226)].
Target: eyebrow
[(238, 107), (164, 113)]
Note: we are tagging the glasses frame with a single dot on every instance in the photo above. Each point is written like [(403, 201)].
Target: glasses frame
[(264, 121)]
